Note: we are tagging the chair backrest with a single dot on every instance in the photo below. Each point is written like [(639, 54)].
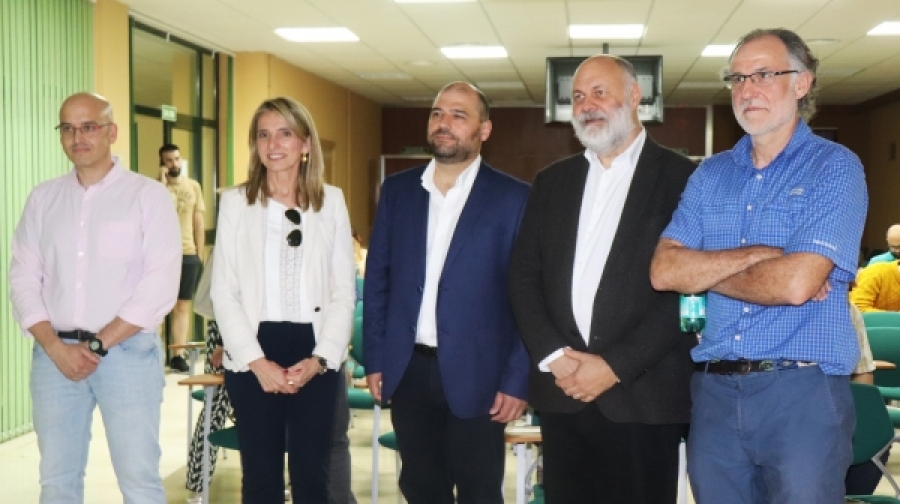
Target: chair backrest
[(881, 319), (885, 344), (873, 425), (356, 339)]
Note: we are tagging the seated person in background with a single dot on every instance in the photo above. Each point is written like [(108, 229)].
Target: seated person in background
[(878, 288), (893, 242)]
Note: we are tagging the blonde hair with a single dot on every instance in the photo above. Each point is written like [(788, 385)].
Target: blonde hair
[(310, 180)]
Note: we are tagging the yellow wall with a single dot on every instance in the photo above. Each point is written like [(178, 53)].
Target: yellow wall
[(349, 122), (111, 69)]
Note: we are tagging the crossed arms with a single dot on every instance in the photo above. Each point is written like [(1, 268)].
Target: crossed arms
[(756, 274)]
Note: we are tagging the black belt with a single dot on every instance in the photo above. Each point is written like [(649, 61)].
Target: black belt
[(77, 334), (744, 366), (427, 351)]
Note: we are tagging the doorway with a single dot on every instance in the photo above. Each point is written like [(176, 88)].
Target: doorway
[(175, 92)]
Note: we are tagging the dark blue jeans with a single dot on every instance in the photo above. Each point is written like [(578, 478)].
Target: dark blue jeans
[(770, 437), (266, 423)]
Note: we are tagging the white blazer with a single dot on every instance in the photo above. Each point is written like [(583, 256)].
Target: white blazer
[(238, 274)]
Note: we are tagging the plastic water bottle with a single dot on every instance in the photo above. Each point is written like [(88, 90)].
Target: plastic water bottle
[(692, 312)]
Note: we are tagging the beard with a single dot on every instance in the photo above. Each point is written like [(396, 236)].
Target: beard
[(456, 152), (604, 139), (174, 172)]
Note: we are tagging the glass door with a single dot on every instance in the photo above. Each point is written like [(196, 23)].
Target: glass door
[(174, 91)]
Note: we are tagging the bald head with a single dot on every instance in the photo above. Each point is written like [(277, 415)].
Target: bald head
[(893, 240), (98, 104), (86, 132), (605, 100), (484, 109)]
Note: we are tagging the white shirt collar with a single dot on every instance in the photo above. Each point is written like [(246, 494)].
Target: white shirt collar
[(465, 180)]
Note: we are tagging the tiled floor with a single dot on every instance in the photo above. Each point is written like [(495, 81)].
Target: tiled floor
[(19, 462)]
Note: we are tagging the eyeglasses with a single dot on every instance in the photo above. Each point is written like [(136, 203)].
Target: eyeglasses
[(761, 78), (295, 237), (89, 129)]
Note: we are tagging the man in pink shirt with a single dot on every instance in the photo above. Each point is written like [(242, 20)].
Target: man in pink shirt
[(96, 259)]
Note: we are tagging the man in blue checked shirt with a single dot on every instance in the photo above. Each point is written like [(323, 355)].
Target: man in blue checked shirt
[(771, 229)]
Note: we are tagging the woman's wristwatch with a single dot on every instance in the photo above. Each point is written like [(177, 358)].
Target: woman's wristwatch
[(323, 364)]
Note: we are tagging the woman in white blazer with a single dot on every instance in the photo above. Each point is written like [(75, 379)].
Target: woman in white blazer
[(283, 295)]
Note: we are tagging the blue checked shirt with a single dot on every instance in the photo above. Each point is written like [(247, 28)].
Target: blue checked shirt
[(811, 198)]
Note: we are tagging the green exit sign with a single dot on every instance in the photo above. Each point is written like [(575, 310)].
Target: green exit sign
[(169, 113)]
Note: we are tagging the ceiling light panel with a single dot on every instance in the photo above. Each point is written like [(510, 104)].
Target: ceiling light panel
[(326, 34), (717, 51), (606, 32), (887, 28), (474, 52)]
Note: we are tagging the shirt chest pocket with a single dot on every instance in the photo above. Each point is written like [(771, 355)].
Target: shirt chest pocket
[(721, 226), (773, 226), (117, 240)]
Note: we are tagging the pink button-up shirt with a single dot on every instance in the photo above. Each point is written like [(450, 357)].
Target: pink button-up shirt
[(83, 256)]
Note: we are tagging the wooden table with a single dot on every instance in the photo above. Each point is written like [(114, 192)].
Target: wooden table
[(884, 365), (520, 437), (209, 382)]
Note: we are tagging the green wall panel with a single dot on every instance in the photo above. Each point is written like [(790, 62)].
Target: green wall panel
[(46, 54)]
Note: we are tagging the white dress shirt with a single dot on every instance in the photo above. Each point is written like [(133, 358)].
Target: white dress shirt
[(605, 191), (443, 214)]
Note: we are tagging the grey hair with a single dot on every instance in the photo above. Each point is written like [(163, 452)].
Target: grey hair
[(801, 59)]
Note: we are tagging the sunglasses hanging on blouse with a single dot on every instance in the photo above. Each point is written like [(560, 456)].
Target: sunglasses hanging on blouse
[(295, 237)]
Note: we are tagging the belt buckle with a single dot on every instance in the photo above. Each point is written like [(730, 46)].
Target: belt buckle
[(82, 334), (743, 367)]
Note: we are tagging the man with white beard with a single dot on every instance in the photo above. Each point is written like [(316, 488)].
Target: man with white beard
[(610, 366)]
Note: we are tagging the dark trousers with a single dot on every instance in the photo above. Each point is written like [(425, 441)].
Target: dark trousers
[(440, 451), (591, 459), (863, 479), (266, 423)]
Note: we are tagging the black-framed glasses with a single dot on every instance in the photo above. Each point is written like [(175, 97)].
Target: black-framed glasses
[(761, 78), (295, 237), (88, 129)]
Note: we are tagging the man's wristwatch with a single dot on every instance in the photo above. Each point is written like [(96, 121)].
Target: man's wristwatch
[(323, 364), (96, 346)]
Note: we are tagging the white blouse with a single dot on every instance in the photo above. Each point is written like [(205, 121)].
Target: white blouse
[(285, 298)]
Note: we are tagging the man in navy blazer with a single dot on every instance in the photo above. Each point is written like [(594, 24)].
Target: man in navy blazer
[(439, 339)]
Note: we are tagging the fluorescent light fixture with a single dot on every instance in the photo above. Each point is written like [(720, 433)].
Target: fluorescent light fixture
[(822, 41), (512, 84), (886, 28), (418, 98), (702, 85), (606, 31), (473, 52), (433, 1), (384, 76), (717, 51), (332, 34)]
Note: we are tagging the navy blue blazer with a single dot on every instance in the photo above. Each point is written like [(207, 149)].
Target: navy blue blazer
[(479, 351)]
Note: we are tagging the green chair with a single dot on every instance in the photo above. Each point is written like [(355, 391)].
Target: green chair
[(874, 433), (885, 344), (881, 319), (225, 438)]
